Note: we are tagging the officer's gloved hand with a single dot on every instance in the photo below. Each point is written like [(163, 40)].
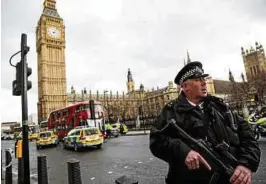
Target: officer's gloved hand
[(242, 175)]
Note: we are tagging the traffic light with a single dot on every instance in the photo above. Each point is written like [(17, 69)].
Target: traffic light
[(92, 110), (24, 51), (17, 84), (29, 71)]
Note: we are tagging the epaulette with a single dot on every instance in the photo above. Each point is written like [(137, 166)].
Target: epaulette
[(170, 104), (219, 102)]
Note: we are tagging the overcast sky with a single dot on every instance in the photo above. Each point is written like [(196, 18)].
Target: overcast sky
[(106, 37)]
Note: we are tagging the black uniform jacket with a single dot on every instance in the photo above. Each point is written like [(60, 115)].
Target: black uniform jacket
[(199, 125)]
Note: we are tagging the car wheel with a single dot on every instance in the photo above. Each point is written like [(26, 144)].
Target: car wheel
[(64, 145), (99, 146), (257, 133)]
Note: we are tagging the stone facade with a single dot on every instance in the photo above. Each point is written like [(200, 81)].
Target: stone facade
[(255, 68), (129, 105), (50, 47), (254, 61)]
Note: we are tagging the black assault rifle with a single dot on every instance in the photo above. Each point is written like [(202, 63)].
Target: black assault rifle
[(208, 153)]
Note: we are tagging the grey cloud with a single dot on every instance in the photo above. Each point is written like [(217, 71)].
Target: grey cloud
[(255, 9), (149, 37)]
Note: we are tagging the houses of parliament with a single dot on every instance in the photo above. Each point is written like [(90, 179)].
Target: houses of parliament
[(52, 90)]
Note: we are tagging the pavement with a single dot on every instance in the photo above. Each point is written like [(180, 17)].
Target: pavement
[(137, 132), (33, 178), (123, 156)]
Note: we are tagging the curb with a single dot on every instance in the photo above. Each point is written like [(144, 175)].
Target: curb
[(33, 180), (136, 134)]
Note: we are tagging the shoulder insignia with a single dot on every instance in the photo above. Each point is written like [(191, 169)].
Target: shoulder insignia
[(170, 104)]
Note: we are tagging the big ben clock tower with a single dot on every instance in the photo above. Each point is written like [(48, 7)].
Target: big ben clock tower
[(50, 47)]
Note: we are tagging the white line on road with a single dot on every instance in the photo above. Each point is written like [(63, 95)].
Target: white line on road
[(139, 162), (33, 175), (92, 178), (110, 172), (126, 167), (151, 158)]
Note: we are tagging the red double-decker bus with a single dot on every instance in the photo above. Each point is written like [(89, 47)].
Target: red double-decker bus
[(63, 120)]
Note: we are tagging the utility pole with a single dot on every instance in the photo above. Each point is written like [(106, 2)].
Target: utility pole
[(105, 91), (92, 111), (20, 86), (141, 111), (24, 100), (143, 115)]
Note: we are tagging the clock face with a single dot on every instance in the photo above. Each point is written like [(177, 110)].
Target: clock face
[(54, 32)]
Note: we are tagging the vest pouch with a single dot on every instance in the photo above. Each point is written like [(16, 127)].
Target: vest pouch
[(198, 130)]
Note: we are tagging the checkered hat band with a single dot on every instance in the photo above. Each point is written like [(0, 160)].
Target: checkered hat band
[(190, 73)]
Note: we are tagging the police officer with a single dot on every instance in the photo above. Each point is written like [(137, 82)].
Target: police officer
[(205, 117)]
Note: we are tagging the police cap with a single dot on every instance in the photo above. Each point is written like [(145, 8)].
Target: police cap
[(190, 71)]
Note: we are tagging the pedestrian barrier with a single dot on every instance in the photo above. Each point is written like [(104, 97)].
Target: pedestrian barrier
[(42, 170), (1, 165), (8, 166), (74, 176)]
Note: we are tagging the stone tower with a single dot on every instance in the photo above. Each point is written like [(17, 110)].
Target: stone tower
[(254, 61), (130, 82), (50, 47)]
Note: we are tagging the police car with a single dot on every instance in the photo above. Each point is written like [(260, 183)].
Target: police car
[(81, 137), (46, 138), (121, 127)]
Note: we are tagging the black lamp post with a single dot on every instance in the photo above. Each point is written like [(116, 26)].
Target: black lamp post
[(142, 110), (107, 104)]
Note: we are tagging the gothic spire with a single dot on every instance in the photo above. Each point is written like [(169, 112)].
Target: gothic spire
[(188, 58), (129, 76), (243, 78), (231, 77)]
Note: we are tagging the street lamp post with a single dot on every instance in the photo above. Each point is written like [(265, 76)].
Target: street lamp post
[(107, 104), (142, 111)]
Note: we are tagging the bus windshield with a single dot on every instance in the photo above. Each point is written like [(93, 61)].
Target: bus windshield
[(43, 124), (98, 110), (33, 129)]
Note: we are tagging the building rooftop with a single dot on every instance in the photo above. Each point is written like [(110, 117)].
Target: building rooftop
[(224, 87)]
